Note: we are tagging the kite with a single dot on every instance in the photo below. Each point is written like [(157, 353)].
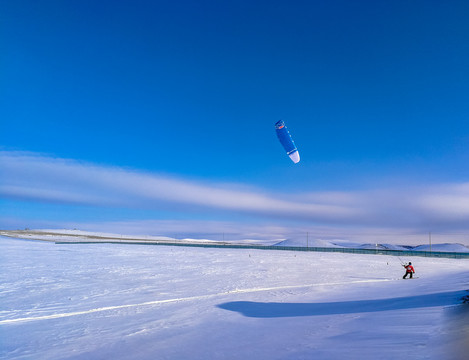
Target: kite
[(286, 140)]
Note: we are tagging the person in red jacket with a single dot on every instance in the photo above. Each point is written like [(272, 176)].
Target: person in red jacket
[(409, 270)]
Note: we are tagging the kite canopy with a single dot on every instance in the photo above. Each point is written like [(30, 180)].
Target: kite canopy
[(287, 141)]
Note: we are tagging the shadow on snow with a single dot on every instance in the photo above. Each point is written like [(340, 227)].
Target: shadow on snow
[(273, 310)]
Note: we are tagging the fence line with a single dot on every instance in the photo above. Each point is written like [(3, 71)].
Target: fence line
[(435, 254)]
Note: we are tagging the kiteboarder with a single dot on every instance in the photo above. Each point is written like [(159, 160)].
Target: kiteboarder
[(409, 270)]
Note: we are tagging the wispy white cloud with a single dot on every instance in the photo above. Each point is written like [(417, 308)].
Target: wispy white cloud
[(34, 177)]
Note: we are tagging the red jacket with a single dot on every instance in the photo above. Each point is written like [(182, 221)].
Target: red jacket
[(409, 268)]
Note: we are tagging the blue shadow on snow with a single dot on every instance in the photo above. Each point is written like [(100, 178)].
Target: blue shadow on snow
[(275, 310)]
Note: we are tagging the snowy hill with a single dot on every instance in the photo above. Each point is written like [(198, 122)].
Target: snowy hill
[(442, 248), (355, 245), (304, 243), (62, 235)]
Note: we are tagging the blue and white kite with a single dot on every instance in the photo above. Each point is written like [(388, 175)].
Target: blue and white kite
[(286, 140)]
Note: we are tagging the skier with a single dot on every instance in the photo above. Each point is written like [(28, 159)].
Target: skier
[(409, 270)]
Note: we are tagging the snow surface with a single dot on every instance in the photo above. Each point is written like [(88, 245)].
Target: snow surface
[(116, 301)]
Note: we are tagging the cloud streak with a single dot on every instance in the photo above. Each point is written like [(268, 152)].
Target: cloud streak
[(33, 177)]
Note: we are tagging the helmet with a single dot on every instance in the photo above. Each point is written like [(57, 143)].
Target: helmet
[(410, 263)]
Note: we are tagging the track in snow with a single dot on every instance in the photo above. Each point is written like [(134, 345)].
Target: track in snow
[(166, 301)]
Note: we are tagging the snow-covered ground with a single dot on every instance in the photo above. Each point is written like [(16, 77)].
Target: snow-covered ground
[(116, 301)]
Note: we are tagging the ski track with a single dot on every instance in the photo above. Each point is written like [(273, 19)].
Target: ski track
[(166, 301)]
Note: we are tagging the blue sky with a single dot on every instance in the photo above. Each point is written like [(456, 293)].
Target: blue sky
[(157, 116)]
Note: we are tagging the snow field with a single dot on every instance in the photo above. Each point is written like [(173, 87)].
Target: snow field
[(99, 301)]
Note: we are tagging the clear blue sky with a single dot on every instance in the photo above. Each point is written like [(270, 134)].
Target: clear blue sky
[(375, 94)]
